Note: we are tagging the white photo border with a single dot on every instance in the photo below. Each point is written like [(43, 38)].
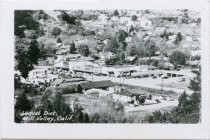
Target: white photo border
[(9, 129)]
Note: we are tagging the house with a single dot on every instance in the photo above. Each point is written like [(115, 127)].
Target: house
[(57, 82), (73, 57), (74, 85), (104, 85), (79, 64), (131, 59), (63, 65), (127, 97), (85, 67), (118, 71)]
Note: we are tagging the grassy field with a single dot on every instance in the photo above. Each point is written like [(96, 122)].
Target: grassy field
[(90, 105)]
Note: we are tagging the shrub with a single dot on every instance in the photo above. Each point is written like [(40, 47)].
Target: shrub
[(56, 31), (69, 90)]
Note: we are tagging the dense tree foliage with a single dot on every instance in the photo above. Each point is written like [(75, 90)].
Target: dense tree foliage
[(67, 18), (24, 65), (178, 38), (52, 100), (72, 48), (26, 58), (178, 58), (188, 109), (40, 14), (83, 50), (134, 18), (24, 20), (22, 104), (34, 52), (56, 31), (116, 13), (59, 40)]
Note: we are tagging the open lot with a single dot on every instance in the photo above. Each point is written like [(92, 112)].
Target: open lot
[(147, 82), (90, 105), (94, 105), (152, 107)]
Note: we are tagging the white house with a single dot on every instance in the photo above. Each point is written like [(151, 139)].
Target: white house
[(123, 97)]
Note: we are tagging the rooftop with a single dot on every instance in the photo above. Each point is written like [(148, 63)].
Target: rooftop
[(57, 81), (97, 84), (74, 83)]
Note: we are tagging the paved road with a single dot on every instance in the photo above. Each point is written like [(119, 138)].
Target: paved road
[(144, 82), (153, 107)]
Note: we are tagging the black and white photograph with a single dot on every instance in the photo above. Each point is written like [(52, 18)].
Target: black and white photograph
[(107, 66), (121, 69)]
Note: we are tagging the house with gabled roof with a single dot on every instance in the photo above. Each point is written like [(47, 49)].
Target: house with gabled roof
[(104, 85)]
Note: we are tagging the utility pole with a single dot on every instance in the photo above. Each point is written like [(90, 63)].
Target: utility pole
[(162, 86), (92, 73), (85, 72)]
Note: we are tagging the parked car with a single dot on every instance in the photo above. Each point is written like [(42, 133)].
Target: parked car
[(154, 77), (165, 77)]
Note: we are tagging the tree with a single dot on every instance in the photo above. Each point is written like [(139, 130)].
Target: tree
[(151, 48), (40, 14), (24, 64), (121, 36), (178, 58), (79, 116), (178, 38), (72, 48), (17, 81), (134, 18), (137, 47), (59, 40), (122, 58), (164, 35), (24, 20), (43, 52), (132, 51), (26, 56), (188, 109), (112, 46), (56, 31), (116, 13), (22, 103), (131, 29), (195, 83), (183, 100), (83, 50), (59, 104), (67, 18), (34, 52)]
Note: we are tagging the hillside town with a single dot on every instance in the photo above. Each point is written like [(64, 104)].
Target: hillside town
[(138, 60)]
